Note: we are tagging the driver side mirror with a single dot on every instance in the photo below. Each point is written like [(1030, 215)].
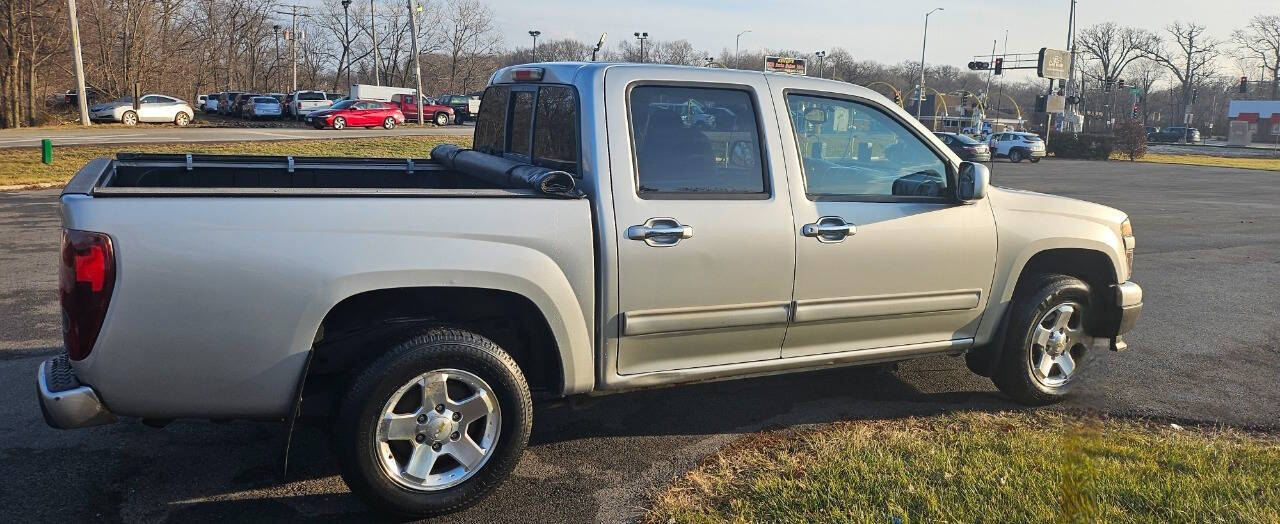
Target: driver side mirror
[(971, 184)]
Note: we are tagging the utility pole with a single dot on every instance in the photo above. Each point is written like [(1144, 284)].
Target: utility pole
[(293, 40), (373, 33), (82, 98), (346, 40), (923, 44), (535, 34), (417, 66)]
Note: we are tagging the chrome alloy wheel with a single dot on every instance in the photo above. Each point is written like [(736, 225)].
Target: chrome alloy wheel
[(429, 441), (1058, 344)]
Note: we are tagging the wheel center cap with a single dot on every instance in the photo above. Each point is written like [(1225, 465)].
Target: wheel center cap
[(1057, 342), (437, 428)]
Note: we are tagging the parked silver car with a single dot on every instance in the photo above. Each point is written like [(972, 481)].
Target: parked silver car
[(263, 107), (151, 108)]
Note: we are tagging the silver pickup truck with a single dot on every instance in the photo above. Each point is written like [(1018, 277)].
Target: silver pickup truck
[(614, 226)]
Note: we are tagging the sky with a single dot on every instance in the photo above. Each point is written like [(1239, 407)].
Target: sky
[(887, 31)]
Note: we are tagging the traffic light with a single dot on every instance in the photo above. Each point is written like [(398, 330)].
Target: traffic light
[(897, 98), (999, 66), (980, 66), (1135, 111), (1195, 95), (1120, 84), (1244, 84)]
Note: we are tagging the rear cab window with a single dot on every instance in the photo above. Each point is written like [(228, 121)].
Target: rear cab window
[(530, 123)]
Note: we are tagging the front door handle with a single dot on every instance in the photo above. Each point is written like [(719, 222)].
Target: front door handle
[(660, 232), (829, 230)]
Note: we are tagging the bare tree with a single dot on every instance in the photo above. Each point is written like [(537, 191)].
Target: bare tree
[(1260, 40), (1113, 48), (1189, 55)]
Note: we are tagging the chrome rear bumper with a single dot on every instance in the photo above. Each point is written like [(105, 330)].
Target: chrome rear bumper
[(65, 403)]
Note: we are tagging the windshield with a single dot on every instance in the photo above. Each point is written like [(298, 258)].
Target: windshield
[(344, 104), (311, 96)]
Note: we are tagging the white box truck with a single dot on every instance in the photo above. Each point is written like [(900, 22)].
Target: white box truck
[(382, 93)]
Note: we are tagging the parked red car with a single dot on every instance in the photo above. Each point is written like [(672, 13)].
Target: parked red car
[(357, 113), (431, 111)]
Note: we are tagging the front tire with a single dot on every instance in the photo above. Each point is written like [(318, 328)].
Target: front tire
[(339, 123), (1045, 345), (434, 425), (442, 119)]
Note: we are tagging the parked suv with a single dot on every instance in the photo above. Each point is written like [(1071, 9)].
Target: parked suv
[(1017, 146), (225, 102)]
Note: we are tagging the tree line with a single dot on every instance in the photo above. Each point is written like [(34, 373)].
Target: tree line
[(189, 47)]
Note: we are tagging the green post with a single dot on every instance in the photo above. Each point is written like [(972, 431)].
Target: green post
[(46, 151)]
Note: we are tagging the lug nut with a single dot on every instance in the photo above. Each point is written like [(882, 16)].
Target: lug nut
[(439, 408), (420, 438), (454, 436), (422, 419), (436, 446), (457, 417)]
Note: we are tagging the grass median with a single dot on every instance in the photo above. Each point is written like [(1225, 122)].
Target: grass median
[(985, 467), (21, 166), (1268, 164)]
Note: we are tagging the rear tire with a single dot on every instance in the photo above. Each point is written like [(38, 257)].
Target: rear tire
[(389, 123), (1034, 160), (1045, 345), (129, 118), (386, 428), (1015, 156), (182, 119)]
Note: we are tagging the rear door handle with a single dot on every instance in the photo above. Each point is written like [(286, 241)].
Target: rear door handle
[(660, 232), (829, 230)]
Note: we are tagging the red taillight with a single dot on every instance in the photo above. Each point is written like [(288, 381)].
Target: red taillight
[(85, 281)]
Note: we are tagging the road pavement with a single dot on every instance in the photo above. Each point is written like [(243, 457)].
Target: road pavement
[(157, 133), (1207, 349)]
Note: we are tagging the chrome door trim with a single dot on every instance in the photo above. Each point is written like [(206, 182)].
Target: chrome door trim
[(844, 308), (691, 319)]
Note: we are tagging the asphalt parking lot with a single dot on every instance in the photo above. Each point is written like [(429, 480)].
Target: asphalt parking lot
[(1207, 349)]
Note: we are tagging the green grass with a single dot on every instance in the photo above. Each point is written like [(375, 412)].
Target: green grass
[(20, 166), (1269, 164), (981, 467)]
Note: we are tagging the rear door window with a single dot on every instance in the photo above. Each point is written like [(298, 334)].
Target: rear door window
[(695, 142), (555, 135)]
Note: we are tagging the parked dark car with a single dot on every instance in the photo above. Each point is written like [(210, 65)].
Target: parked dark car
[(1175, 134), (226, 101), (966, 147), (464, 107)]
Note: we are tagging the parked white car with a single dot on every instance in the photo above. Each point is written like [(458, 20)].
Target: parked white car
[(1018, 146), (151, 108), (211, 105), (263, 107)]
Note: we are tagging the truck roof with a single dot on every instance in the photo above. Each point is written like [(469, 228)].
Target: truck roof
[(572, 72)]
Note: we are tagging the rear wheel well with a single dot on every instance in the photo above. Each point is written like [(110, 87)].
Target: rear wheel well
[(362, 327)]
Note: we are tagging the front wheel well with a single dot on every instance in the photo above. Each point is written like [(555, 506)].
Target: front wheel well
[(1093, 267), (364, 326)]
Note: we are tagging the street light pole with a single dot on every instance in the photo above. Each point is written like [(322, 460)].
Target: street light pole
[(535, 34), (346, 40), (822, 55), (373, 33), (642, 37), (275, 66), (923, 44), (738, 40)]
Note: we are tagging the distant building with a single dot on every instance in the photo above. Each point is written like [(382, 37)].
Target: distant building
[(1263, 117)]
